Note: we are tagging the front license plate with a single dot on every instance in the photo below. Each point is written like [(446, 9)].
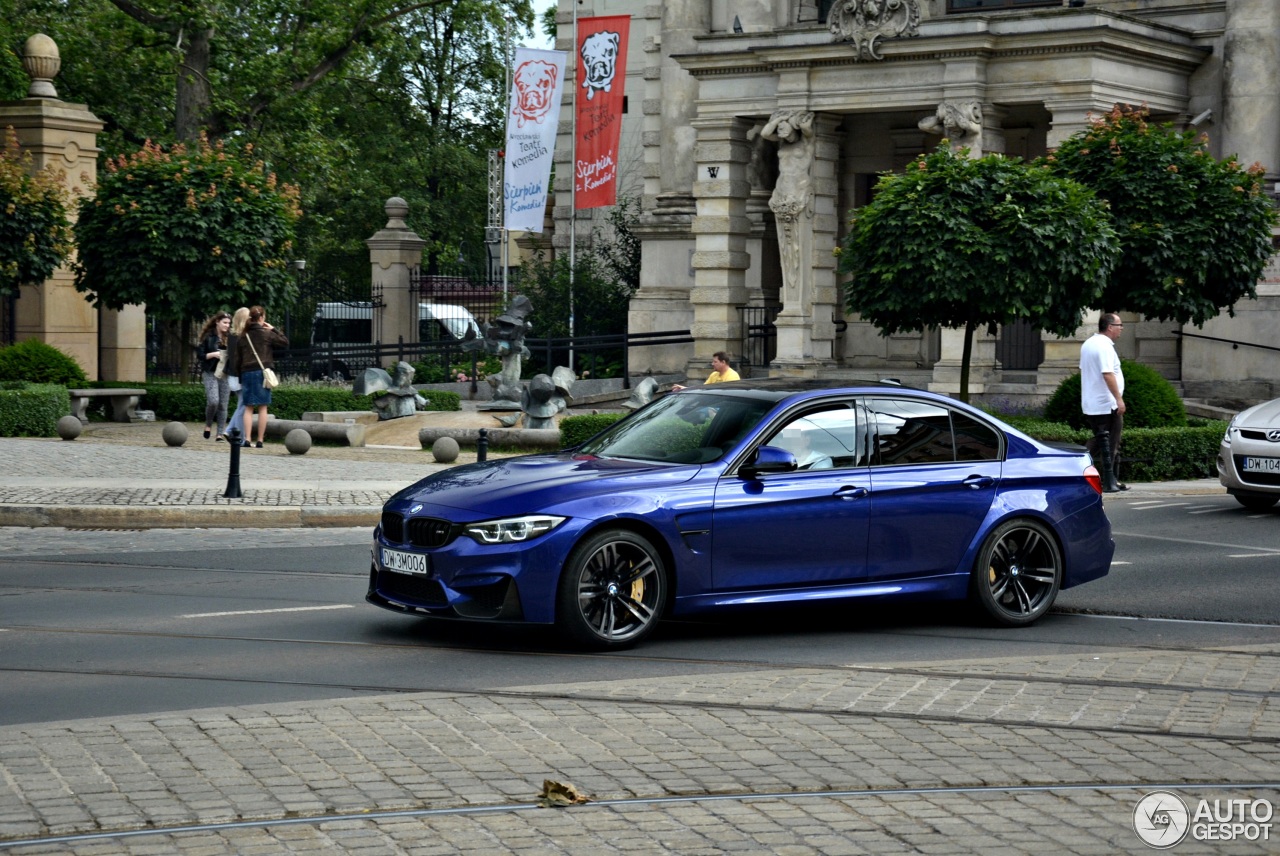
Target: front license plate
[(1262, 465), (405, 563)]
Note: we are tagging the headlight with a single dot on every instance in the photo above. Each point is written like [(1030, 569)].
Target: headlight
[(511, 530), (1231, 427)]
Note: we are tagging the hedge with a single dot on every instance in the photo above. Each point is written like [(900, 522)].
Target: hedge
[(184, 402), (575, 430), (1146, 454), (31, 409)]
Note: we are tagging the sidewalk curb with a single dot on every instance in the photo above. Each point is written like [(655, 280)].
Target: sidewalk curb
[(188, 517)]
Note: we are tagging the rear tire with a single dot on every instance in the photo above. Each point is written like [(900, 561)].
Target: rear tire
[(1255, 502), (612, 592), (1018, 573)]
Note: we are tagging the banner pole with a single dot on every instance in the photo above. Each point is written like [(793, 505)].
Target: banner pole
[(573, 183), (503, 258)]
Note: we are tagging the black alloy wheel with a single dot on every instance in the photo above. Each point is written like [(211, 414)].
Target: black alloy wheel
[(612, 592), (1018, 573)]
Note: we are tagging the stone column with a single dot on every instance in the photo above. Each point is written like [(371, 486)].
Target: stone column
[(64, 136), (393, 254), (721, 228), (682, 22), (1251, 83)]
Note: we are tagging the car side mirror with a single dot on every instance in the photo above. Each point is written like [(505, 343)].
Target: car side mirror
[(769, 459)]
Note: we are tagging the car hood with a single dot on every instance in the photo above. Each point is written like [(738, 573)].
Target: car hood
[(538, 482), (1265, 415)]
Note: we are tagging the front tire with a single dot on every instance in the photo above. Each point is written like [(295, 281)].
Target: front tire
[(1018, 573), (612, 591)]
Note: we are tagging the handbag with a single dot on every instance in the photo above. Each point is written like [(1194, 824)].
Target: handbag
[(221, 371), (269, 379)]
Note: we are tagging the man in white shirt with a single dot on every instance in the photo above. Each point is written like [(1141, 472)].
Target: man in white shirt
[(1102, 398)]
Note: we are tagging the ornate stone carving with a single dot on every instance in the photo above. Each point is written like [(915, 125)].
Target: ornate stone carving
[(792, 199), (960, 122), (865, 22)]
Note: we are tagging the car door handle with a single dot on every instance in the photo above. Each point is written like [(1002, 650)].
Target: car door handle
[(978, 482), (851, 492)]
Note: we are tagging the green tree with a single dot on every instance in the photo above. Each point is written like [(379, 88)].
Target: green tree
[(958, 242), (34, 234), (186, 231), (1194, 232)]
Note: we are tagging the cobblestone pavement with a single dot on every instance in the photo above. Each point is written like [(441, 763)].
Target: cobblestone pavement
[(1002, 755)]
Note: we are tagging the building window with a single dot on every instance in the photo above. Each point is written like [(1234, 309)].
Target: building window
[(988, 5)]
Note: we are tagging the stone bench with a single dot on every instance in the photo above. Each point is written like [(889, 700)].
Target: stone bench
[(124, 403)]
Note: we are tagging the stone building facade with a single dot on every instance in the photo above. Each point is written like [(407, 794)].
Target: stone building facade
[(761, 123)]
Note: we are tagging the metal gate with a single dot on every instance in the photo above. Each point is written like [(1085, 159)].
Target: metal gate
[(759, 337)]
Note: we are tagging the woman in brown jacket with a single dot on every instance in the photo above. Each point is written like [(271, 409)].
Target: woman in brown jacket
[(254, 352)]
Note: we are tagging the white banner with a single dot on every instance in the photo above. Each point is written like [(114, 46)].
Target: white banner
[(532, 123)]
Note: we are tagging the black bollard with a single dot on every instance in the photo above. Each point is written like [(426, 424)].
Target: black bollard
[(1110, 484), (482, 445), (233, 477)]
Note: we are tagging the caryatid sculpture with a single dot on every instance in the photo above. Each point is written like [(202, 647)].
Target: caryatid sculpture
[(960, 122), (792, 199)]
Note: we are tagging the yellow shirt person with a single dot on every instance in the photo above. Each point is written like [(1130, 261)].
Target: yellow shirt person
[(721, 371)]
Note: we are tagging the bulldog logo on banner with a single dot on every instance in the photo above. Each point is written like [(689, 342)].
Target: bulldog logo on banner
[(532, 122), (602, 75)]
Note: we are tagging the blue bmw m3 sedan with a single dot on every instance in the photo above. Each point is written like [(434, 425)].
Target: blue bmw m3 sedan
[(755, 492)]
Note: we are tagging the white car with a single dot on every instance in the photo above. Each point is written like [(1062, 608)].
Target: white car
[(1249, 458)]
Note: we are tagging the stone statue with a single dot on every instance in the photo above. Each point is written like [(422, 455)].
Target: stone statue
[(395, 397), (504, 338), (865, 22), (960, 122), (542, 399), (642, 394), (792, 198)]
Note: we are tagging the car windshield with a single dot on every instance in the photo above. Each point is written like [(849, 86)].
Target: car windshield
[(685, 428)]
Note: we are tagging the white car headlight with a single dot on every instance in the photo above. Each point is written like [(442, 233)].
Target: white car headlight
[(1231, 428), (510, 530)]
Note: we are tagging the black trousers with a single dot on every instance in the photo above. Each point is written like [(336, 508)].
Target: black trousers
[(1112, 422)]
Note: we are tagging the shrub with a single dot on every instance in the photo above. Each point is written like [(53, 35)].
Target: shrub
[(34, 233), (35, 361), (1162, 454), (575, 430), (32, 410), (1150, 400)]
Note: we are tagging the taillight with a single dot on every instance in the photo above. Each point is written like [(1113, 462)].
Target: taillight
[(1093, 477)]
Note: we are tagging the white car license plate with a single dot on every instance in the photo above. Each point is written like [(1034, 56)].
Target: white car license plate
[(1262, 465), (405, 563)]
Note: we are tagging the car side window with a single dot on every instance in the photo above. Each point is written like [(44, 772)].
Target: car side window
[(823, 439), (911, 432), (974, 440)]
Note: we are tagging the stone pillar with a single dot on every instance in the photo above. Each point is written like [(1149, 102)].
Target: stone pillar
[(393, 254), (1070, 116), (682, 22), (1251, 83), (64, 136), (721, 228)]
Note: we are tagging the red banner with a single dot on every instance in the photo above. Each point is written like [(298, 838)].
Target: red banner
[(601, 79)]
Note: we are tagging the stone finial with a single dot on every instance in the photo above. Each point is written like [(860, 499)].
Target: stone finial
[(397, 209), (41, 61)]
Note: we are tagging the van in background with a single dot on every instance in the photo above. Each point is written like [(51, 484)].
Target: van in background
[(341, 328)]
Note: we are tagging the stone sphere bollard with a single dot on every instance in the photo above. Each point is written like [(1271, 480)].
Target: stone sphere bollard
[(69, 427), (445, 450), (297, 441), (175, 433)]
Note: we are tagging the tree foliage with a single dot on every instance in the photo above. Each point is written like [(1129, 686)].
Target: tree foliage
[(1195, 232), (186, 231), (34, 234), (959, 242)]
